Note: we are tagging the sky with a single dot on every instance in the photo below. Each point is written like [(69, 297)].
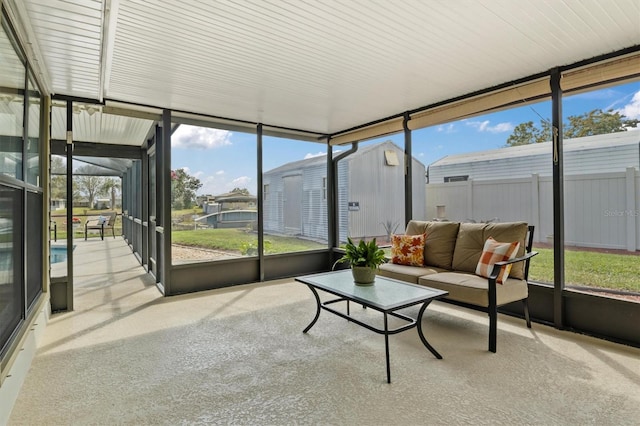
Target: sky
[(224, 160)]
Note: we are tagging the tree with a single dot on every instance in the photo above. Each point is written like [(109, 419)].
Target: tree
[(243, 191), (183, 189), (111, 187), (58, 182), (596, 122), (527, 133), (89, 186)]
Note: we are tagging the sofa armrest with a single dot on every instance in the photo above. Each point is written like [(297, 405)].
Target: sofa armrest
[(498, 265)]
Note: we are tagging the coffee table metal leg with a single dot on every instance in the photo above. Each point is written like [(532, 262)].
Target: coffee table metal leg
[(386, 346), (424, 340), (315, 293)]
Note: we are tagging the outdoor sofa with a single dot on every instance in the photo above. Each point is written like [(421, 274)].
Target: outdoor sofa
[(454, 253)]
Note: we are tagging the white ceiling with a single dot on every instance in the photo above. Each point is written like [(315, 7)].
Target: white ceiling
[(322, 66), (91, 124)]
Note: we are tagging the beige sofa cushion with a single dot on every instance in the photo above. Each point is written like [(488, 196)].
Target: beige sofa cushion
[(406, 273), (468, 247), (470, 288), (439, 243), (416, 227), (471, 238)]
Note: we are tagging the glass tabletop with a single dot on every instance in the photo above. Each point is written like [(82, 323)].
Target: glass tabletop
[(386, 293)]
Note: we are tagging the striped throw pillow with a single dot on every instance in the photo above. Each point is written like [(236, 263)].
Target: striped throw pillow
[(494, 252)]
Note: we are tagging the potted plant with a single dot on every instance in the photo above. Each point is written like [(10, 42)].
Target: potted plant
[(364, 259)]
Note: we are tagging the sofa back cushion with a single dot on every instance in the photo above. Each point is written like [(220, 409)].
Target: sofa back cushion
[(416, 227), (468, 247), (471, 239), (439, 242)]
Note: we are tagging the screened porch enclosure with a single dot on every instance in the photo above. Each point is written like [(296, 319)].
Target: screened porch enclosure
[(267, 86)]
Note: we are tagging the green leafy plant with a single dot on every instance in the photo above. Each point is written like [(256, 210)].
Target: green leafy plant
[(251, 249), (362, 254), (390, 228)]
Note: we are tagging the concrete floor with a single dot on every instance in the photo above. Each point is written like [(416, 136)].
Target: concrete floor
[(126, 355)]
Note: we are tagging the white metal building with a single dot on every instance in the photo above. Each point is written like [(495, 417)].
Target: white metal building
[(613, 152), (370, 187)]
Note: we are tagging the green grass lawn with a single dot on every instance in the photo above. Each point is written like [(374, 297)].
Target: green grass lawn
[(583, 268), (188, 213), (591, 269), (82, 213), (239, 240)]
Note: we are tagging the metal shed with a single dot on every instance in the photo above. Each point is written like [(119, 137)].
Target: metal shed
[(613, 152), (370, 188)]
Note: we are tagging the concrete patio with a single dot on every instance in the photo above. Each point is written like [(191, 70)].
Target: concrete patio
[(127, 355)]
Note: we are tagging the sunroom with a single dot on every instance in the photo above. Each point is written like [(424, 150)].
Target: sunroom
[(250, 139)]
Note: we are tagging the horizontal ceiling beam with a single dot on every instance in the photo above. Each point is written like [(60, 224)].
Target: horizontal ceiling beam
[(92, 149)]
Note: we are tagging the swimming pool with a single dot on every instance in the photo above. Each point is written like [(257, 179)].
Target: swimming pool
[(59, 254)]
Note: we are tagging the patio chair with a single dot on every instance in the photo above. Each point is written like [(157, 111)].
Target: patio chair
[(100, 223)]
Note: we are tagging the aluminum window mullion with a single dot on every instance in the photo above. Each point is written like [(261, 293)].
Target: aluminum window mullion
[(558, 199)]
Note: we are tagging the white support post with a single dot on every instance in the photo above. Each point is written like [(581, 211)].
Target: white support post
[(631, 213)]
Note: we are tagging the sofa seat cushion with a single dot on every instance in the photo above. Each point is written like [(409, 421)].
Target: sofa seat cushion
[(406, 273), (470, 288)]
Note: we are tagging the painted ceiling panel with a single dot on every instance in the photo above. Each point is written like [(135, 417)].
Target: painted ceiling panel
[(70, 35), (322, 66), (90, 124)]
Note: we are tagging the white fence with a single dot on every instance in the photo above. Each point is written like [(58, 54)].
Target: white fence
[(601, 210)]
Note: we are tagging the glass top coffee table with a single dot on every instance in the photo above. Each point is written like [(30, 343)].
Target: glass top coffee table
[(386, 295)]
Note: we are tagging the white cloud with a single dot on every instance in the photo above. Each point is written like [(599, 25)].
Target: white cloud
[(632, 109), (199, 137), (317, 154), (501, 128), (484, 126), (449, 128), (241, 182), (219, 183)]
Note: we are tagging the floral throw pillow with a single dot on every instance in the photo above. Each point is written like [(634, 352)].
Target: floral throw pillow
[(494, 252), (407, 249)]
